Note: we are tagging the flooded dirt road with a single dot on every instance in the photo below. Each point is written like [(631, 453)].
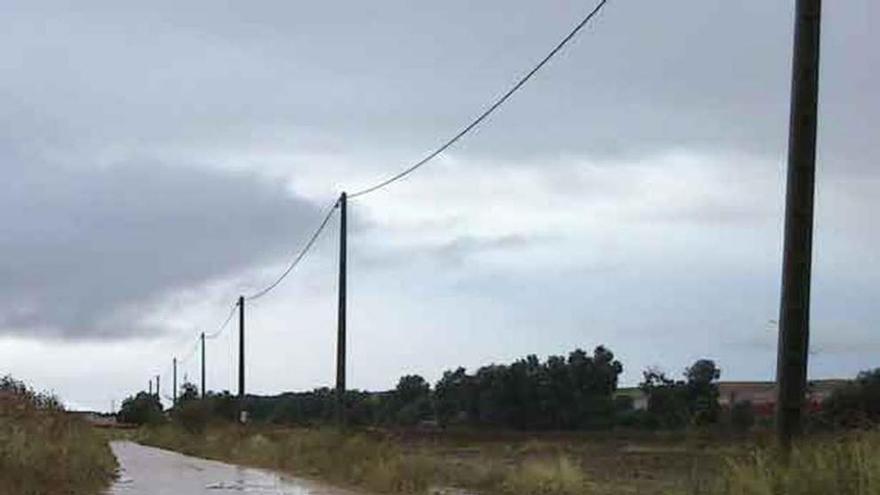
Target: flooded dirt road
[(152, 471)]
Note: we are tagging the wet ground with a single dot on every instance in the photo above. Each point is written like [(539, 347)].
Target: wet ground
[(152, 471)]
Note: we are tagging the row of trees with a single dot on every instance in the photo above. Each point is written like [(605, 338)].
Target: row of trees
[(578, 391), (570, 392)]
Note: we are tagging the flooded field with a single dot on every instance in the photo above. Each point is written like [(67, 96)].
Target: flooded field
[(152, 471)]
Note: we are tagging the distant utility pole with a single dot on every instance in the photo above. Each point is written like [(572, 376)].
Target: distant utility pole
[(203, 364), (174, 382), (794, 314), (158, 393), (150, 386), (340, 338), (242, 414)]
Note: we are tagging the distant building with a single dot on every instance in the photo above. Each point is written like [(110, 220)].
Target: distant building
[(762, 395)]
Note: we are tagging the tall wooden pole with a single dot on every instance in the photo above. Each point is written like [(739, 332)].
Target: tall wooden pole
[(203, 364), (340, 337), (241, 416), (794, 317), (174, 383)]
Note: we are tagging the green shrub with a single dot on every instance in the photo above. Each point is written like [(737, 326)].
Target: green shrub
[(742, 416), (857, 404), (193, 416)]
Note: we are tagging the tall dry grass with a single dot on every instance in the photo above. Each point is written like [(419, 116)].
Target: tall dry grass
[(371, 461), (43, 450), (841, 465)]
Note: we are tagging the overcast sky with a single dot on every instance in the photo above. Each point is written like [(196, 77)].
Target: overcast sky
[(160, 158)]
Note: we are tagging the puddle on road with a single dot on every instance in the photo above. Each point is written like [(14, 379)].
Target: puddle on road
[(151, 471)]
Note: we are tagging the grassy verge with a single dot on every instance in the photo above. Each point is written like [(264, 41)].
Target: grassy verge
[(842, 465), (44, 450), (378, 462)]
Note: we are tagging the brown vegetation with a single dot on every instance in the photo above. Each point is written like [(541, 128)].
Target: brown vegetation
[(45, 450)]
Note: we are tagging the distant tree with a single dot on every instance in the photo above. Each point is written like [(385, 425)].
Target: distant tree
[(677, 403), (410, 402), (362, 408), (667, 400), (223, 405), (454, 397), (188, 392), (702, 391), (856, 404), (141, 409), (563, 393)]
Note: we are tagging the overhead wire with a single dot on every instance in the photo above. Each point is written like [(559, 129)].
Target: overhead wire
[(302, 253), (489, 111), (223, 325), (401, 175)]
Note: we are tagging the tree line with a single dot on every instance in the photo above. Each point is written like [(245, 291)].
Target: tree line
[(574, 392)]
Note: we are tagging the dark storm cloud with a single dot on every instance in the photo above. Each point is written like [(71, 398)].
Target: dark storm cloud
[(397, 74), (105, 104), (81, 244)]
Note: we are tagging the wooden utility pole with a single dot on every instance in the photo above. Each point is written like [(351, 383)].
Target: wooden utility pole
[(241, 410), (174, 382), (150, 385), (794, 314), (203, 364), (158, 390), (340, 337)]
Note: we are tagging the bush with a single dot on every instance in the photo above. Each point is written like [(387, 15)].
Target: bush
[(142, 409), (43, 449), (193, 416), (856, 404), (742, 416)]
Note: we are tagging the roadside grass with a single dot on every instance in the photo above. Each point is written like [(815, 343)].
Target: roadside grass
[(602, 464), (846, 464), (376, 462), (44, 450)]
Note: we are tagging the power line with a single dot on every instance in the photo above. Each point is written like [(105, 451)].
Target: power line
[(192, 350), (224, 324), (487, 112), (467, 129), (298, 257)]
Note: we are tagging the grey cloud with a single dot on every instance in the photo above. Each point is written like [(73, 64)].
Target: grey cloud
[(398, 75), (82, 244), (372, 84), (454, 251)]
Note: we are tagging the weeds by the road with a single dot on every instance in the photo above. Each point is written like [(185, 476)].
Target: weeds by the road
[(373, 461), (380, 462), (842, 465), (44, 450)]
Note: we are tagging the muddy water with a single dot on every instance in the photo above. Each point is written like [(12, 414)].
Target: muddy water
[(151, 471)]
